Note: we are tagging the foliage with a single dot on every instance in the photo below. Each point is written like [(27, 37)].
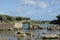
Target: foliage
[(58, 17), (56, 21), (7, 18)]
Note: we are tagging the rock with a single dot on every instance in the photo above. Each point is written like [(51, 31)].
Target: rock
[(23, 35), (50, 36), (20, 34), (58, 35), (29, 34), (43, 33)]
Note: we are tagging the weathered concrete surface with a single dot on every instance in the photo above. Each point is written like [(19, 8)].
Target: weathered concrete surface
[(18, 25)]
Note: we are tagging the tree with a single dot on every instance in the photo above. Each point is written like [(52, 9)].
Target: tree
[(18, 18), (58, 17), (12, 18), (4, 18), (22, 18), (56, 21), (1, 18), (25, 18)]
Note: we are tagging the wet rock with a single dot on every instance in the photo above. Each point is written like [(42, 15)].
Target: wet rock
[(50, 36), (43, 33), (20, 34), (29, 34), (52, 28)]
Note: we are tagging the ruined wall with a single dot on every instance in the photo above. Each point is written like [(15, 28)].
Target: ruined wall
[(18, 25), (6, 26), (12, 25)]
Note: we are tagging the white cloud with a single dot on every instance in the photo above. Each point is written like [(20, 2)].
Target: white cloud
[(18, 10), (28, 2), (43, 5), (34, 3), (55, 2)]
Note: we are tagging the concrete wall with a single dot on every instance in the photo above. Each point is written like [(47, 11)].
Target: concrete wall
[(18, 25), (6, 26), (12, 25)]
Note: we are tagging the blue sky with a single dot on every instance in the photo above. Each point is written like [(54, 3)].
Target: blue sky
[(35, 9)]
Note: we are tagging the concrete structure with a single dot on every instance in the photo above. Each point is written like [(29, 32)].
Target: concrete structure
[(20, 24), (17, 25)]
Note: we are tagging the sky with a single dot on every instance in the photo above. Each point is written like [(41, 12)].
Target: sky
[(34, 9)]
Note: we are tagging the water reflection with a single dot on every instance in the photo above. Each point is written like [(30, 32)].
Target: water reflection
[(38, 37), (8, 36)]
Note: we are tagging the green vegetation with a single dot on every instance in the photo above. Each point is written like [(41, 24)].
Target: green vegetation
[(56, 21), (58, 17), (36, 21), (7, 18), (39, 22)]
